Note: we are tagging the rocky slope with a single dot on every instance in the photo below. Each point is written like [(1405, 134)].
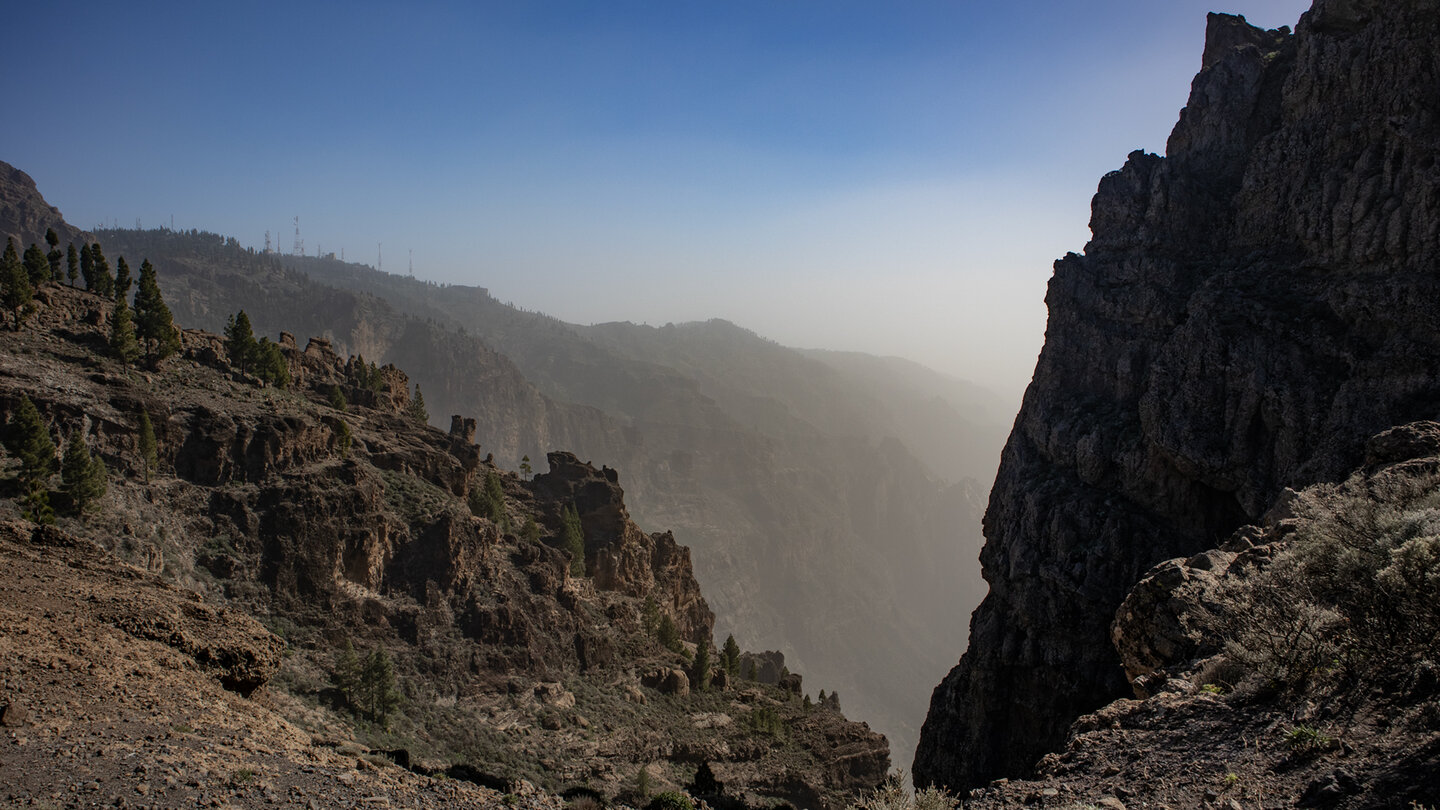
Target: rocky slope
[(1266, 675), (1251, 309), (810, 499), (356, 526)]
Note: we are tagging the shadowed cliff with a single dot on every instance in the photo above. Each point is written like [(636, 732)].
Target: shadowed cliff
[(1251, 308)]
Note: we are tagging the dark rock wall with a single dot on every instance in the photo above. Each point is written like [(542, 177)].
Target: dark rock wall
[(1251, 307)]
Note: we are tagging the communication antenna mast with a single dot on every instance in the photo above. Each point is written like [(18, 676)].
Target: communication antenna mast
[(299, 249), (412, 261), (378, 264), (267, 241)]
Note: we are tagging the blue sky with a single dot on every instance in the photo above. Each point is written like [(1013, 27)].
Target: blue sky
[(894, 176)]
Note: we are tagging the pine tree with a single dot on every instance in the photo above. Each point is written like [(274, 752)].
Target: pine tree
[(37, 267), (337, 399), (650, 614), (153, 323), (702, 666), (104, 282), (348, 670), (82, 475), (343, 437), (122, 278), (525, 469), (378, 692), (29, 440), (417, 407), (54, 255), (15, 289), (750, 672), (87, 267), (123, 344), (531, 530), (731, 656), (488, 501), (271, 365), (72, 263), (149, 457), (668, 634), (572, 539), (240, 343)]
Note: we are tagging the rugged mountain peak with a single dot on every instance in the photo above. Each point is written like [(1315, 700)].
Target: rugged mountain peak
[(1251, 308)]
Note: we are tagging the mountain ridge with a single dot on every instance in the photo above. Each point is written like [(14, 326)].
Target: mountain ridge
[(848, 506)]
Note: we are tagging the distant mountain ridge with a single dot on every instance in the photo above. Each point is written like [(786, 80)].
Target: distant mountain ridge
[(815, 528)]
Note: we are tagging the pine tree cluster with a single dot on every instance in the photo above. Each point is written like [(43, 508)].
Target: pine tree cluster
[(28, 439), (262, 358), (368, 687)]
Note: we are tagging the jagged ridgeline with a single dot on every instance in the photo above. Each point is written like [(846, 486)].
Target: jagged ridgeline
[(416, 600)]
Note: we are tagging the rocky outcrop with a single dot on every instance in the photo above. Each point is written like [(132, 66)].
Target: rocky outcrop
[(1252, 307), (355, 524), (1230, 709), (621, 557)]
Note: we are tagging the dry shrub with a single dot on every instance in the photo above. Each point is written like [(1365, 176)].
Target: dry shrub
[(1354, 592), (893, 795)]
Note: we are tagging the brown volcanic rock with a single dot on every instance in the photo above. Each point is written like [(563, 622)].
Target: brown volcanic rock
[(113, 689), (621, 556), (1251, 309), (259, 506), (47, 566)]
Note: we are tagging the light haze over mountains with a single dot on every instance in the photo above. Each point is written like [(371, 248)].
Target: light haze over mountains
[(888, 178)]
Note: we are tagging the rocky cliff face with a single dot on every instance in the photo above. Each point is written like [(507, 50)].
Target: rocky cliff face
[(1251, 308), (359, 524)]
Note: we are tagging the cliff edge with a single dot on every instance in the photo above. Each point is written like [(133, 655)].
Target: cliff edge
[(1252, 308)]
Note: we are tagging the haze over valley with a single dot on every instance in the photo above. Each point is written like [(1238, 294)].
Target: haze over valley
[(801, 405)]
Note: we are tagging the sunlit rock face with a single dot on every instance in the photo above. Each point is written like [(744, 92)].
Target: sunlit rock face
[(1251, 308)]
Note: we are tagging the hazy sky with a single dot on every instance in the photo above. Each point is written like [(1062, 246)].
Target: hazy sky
[(892, 176)]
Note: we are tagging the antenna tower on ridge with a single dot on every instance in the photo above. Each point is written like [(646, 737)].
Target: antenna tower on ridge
[(267, 242), (412, 262), (299, 249)]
